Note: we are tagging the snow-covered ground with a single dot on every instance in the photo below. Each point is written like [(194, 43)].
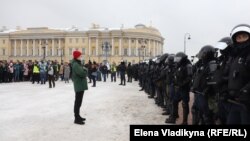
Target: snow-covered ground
[(33, 112)]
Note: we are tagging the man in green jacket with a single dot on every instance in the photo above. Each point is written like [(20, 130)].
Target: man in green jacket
[(79, 74)]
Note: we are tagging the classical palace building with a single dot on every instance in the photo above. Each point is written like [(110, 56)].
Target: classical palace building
[(97, 43)]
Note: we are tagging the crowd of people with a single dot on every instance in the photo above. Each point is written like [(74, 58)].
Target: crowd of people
[(34, 71)]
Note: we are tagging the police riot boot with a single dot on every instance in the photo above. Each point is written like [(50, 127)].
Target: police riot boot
[(150, 96), (167, 112), (170, 120), (184, 123)]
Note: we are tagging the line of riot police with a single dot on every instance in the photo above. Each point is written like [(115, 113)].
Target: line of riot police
[(219, 80)]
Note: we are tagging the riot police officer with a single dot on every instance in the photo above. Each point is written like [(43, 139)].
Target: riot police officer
[(204, 105), (220, 78), (183, 77), (239, 76), (170, 84)]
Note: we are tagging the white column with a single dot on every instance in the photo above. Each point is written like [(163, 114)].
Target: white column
[(157, 48), (149, 48), (53, 47), (46, 47), (136, 50), (33, 48), (129, 47), (120, 46), (59, 47), (40, 47), (113, 46), (21, 48), (96, 46), (160, 48), (27, 48), (89, 45), (154, 48), (15, 49)]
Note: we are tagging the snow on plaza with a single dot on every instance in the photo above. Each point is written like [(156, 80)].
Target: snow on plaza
[(33, 112)]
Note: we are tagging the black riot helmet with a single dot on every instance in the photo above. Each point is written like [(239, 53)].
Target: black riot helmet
[(163, 58), (224, 43), (207, 53), (170, 59), (179, 57)]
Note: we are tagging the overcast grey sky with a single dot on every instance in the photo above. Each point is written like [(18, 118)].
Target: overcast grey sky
[(206, 20)]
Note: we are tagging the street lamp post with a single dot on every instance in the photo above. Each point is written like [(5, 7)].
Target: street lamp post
[(186, 36), (143, 46), (143, 49), (43, 52), (106, 47), (44, 49)]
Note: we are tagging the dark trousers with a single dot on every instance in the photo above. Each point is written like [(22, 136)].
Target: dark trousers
[(129, 78), (94, 80), (21, 76), (11, 77), (78, 103), (17, 75), (51, 79), (43, 77), (1, 77), (89, 76), (35, 77), (113, 76), (123, 79), (104, 77), (181, 95)]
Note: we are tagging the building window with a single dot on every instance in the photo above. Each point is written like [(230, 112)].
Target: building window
[(70, 51), (116, 51), (116, 39), (3, 41), (83, 40), (133, 52), (126, 40), (93, 51), (76, 40), (125, 52), (3, 51), (83, 51), (70, 40), (24, 51), (132, 40)]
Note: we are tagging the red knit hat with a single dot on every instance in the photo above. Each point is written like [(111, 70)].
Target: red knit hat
[(76, 54)]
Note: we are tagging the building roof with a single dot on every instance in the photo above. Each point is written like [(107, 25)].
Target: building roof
[(139, 28)]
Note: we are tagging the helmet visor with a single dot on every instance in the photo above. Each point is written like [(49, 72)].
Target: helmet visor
[(221, 45), (177, 59)]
